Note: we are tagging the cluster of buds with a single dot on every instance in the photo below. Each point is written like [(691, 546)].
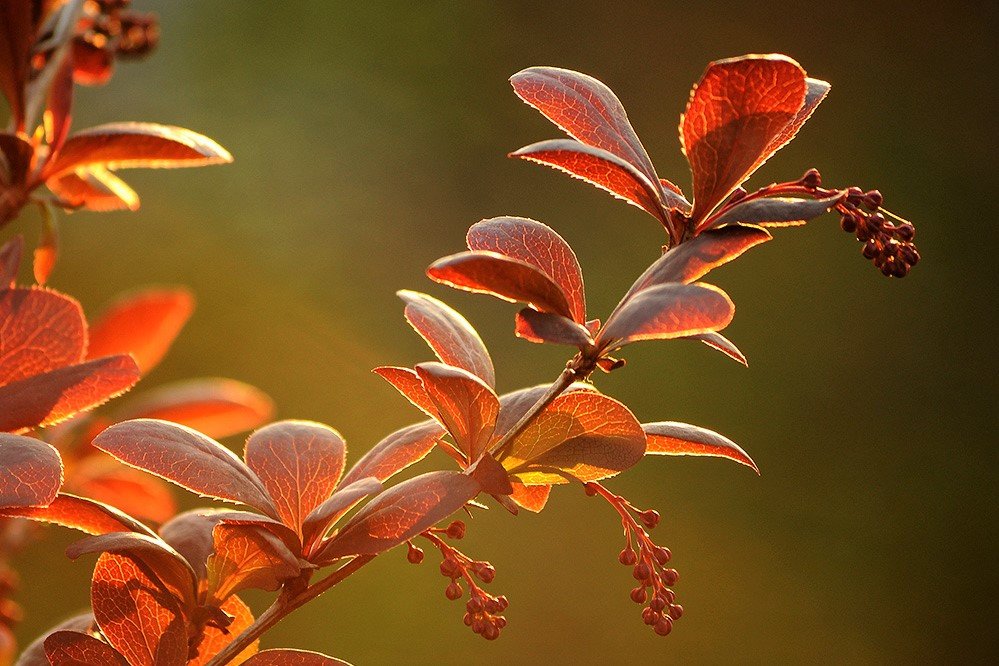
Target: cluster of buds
[(482, 610), (648, 562), (108, 30), (887, 244)]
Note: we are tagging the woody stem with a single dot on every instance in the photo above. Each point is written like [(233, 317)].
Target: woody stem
[(282, 607)]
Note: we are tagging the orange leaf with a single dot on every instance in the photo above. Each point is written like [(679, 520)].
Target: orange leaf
[(214, 639), (449, 334), (34, 654), (400, 513), (136, 493), (248, 556), (144, 325), (41, 330), (409, 384), (324, 516), (213, 406), (532, 498), (467, 406), (94, 188), (501, 276), (140, 620), (395, 452), (666, 311), (82, 514), (186, 457), (734, 118), (56, 395), (582, 435), (71, 648), (124, 145), (299, 463), (670, 438), (30, 472), (288, 657)]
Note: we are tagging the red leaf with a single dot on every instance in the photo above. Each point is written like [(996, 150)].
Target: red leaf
[(34, 654), (57, 116), (536, 244), (669, 438), (532, 498), (491, 476), (40, 330), (82, 514), (213, 639), (299, 463), (186, 457), (467, 406), (509, 279), (735, 115), (722, 344), (71, 648), (409, 384), (449, 334), (30, 472), (326, 514), (395, 452), (136, 493), (600, 168), (666, 311), (815, 93), (582, 435), (16, 38), (213, 406), (55, 396), (143, 324), (124, 145), (287, 657), (94, 188), (585, 109), (777, 211), (542, 327), (10, 261), (694, 258), (248, 557), (400, 513), (140, 620)]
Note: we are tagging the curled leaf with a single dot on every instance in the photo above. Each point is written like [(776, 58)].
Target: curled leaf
[(670, 438), (326, 514), (288, 657), (724, 345), (93, 188)]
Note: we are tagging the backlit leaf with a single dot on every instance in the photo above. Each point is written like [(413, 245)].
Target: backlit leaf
[(122, 145), (396, 452), (186, 457), (597, 167), (541, 327), (10, 261), (326, 514), (248, 556), (30, 472), (143, 324), (409, 384), (287, 657), (815, 93), (299, 463), (142, 621), (93, 188), (71, 648), (669, 438), (213, 639), (582, 435), (134, 492), (467, 406), (536, 244), (400, 513), (670, 310), (449, 334), (532, 498), (506, 278), (735, 115), (81, 513), (34, 654), (54, 396), (40, 330), (213, 406), (777, 211), (724, 345), (514, 405)]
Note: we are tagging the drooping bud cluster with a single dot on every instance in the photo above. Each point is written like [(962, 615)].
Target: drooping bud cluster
[(648, 562), (108, 30), (482, 610)]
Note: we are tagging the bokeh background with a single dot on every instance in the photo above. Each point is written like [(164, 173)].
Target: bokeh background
[(368, 136)]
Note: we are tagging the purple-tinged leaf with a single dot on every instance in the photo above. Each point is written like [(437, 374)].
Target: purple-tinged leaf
[(666, 311), (776, 211), (724, 345), (288, 657), (669, 438), (395, 452), (326, 514), (540, 327)]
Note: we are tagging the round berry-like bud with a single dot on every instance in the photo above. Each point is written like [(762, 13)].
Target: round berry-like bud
[(449, 568), (500, 621), (641, 571), (456, 530), (887, 268), (475, 604), (485, 571), (453, 591), (589, 489), (670, 577), (664, 626), (491, 632), (877, 220), (502, 602), (848, 224), (873, 199), (650, 518), (478, 625), (906, 232), (854, 195), (811, 179), (658, 603), (627, 557), (467, 619), (650, 616), (901, 269), (871, 249), (676, 611), (909, 254), (415, 555), (662, 554), (638, 595)]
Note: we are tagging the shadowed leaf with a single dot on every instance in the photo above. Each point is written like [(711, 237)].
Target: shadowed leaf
[(816, 92), (140, 620), (735, 115), (215, 639), (777, 211), (56, 395), (71, 648), (124, 145), (215, 407), (536, 244), (542, 327), (326, 514), (191, 533), (467, 406), (186, 457), (34, 654), (299, 463), (509, 279), (40, 330), (670, 310), (449, 334), (30, 472), (396, 452), (400, 513), (581, 435), (514, 405), (669, 438), (144, 325), (287, 657), (248, 556)]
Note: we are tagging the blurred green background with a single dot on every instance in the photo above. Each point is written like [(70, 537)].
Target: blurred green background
[(368, 136)]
